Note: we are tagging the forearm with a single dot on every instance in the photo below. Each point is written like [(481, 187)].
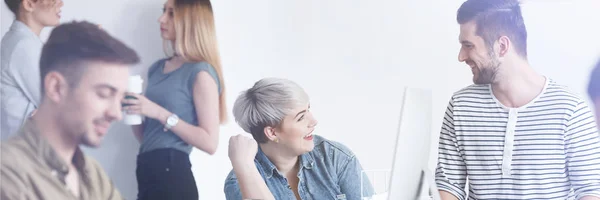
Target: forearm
[(32, 91), (590, 198), (194, 135), (447, 196), (251, 183)]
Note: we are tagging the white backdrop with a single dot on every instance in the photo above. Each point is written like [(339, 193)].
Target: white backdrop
[(352, 57)]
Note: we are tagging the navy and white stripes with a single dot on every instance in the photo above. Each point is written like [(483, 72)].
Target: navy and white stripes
[(555, 144)]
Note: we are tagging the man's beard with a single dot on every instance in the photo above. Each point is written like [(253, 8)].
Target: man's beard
[(488, 71)]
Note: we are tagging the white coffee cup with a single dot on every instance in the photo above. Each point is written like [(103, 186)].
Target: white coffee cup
[(135, 86)]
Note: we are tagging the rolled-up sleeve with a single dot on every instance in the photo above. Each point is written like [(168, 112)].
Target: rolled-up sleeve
[(451, 172), (582, 143), (232, 189)]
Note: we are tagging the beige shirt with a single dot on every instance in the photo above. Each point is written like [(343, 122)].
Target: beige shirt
[(31, 170)]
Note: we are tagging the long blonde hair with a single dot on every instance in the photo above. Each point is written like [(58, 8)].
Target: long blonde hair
[(196, 39)]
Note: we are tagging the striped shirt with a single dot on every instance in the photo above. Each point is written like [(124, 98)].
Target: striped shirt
[(547, 149)]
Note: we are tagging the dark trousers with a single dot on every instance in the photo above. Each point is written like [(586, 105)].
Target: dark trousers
[(165, 174)]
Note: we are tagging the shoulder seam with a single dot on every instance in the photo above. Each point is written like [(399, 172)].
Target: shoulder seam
[(334, 145)]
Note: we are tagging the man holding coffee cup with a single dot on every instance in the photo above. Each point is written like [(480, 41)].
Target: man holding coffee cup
[(84, 75)]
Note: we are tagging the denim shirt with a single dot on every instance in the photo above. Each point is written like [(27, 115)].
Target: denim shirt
[(329, 171)]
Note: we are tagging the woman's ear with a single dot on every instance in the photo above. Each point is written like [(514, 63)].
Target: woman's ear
[(28, 5), (270, 133)]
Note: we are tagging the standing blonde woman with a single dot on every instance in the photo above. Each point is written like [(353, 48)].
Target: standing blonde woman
[(184, 102)]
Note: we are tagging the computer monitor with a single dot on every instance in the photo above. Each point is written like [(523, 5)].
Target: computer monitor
[(410, 171)]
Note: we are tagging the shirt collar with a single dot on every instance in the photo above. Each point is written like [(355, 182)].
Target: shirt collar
[(306, 161), (48, 155)]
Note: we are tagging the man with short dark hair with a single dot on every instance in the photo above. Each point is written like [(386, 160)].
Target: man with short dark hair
[(514, 133), (85, 73), (20, 52)]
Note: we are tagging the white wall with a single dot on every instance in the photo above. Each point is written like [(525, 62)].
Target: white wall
[(352, 57)]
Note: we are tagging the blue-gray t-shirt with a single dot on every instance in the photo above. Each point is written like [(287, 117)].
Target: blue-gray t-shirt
[(174, 92)]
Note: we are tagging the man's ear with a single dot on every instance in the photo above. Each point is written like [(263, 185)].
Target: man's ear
[(56, 87), (504, 45)]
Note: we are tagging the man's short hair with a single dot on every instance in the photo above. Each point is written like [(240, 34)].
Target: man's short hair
[(71, 46), (594, 84), (496, 18)]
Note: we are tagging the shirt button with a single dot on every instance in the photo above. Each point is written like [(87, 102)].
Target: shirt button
[(54, 173), (166, 169)]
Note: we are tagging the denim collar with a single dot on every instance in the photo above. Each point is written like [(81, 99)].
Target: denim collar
[(306, 161)]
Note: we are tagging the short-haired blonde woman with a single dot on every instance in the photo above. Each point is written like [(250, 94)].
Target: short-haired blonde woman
[(285, 160)]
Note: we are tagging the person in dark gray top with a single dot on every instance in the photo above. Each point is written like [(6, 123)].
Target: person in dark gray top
[(183, 104)]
